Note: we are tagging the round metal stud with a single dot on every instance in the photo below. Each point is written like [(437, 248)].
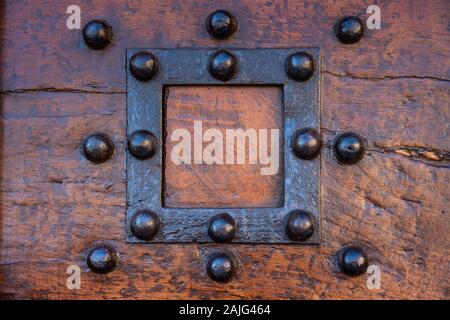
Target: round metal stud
[(102, 259), (306, 143), (349, 148), (222, 65), (145, 225), (222, 228), (349, 30), (221, 267), (97, 34), (144, 66), (221, 24), (142, 144), (300, 66), (353, 261), (299, 225), (98, 147)]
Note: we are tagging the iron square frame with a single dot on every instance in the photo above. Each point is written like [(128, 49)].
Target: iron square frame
[(145, 103)]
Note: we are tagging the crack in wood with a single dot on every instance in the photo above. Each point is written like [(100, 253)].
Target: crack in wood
[(58, 90), (349, 75), (415, 152), (386, 77)]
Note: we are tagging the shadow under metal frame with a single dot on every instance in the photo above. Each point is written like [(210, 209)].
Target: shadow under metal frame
[(255, 67)]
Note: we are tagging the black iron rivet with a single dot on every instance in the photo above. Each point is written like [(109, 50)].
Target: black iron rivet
[(97, 34), (349, 148), (222, 228), (222, 65), (306, 143), (299, 225), (145, 225), (102, 259), (221, 266), (144, 66), (221, 24), (142, 144), (300, 66), (98, 147), (353, 261), (349, 30)]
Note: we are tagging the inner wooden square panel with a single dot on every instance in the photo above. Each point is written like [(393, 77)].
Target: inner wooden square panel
[(203, 185)]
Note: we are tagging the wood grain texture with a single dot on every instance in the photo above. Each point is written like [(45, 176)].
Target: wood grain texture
[(392, 88), (223, 185), (413, 40)]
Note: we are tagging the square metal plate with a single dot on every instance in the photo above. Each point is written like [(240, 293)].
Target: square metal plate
[(145, 103)]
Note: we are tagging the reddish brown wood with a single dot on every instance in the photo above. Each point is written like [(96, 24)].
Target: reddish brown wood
[(222, 108), (392, 88), (413, 41)]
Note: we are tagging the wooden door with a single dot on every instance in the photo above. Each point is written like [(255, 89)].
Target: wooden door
[(391, 88)]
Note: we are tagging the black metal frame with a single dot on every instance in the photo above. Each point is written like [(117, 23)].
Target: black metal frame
[(255, 67)]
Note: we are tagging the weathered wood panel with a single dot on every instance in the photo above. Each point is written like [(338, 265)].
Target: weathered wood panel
[(413, 40), (222, 108), (392, 88)]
